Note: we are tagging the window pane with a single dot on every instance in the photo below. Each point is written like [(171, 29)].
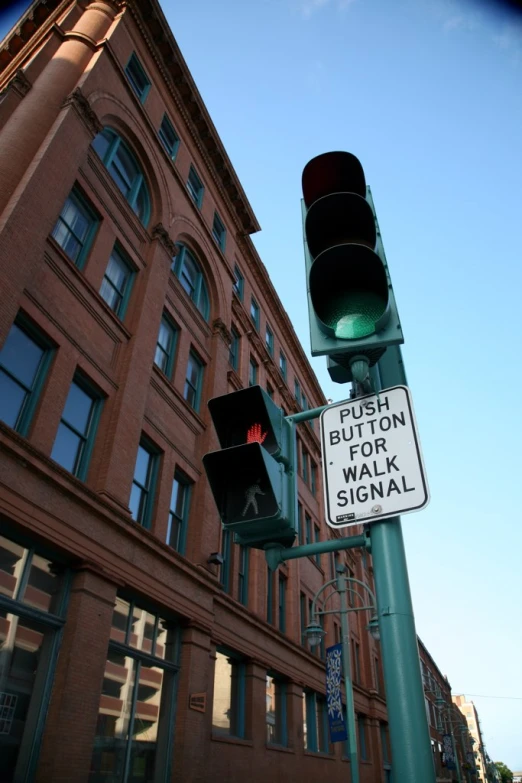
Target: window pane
[(124, 169), (271, 730), (142, 630), (189, 274), (120, 617), (21, 652), (141, 205), (78, 408), (43, 586), (66, 449), (12, 560), (12, 397), (102, 142), (21, 356), (222, 709), (142, 466)]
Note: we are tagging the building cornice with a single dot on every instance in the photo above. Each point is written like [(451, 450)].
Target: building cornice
[(163, 48)]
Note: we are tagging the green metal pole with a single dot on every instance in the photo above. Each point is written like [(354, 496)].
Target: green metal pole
[(348, 686), (457, 765), (412, 760)]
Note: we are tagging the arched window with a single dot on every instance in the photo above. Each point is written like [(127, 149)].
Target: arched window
[(125, 171), (187, 269)]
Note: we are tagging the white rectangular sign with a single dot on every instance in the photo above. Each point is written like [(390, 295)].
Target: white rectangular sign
[(372, 460)]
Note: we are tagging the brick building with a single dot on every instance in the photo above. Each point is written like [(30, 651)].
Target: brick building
[(446, 719), (131, 294)]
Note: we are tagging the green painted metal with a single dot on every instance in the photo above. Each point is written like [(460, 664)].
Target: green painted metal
[(409, 732), (258, 451), (276, 554), (351, 303)]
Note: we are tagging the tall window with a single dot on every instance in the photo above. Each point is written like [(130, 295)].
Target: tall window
[(239, 282), (144, 484), (133, 734), (189, 273), (254, 312), (252, 372), (242, 575), (276, 730), (269, 340), (313, 478), (282, 364), (33, 607), (308, 529), (315, 722), (219, 232), (193, 381), (137, 77), (117, 282), (297, 391), (270, 575), (179, 511), (24, 360), (356, 661), (282, 603), (300, 523), (76, 432), (166, 346), (226, 567), (302, 616), (269, 391), (195, 187), (125, 171), (233, 355), (76, 227), (304, 465), (317, 537), (363, 750), (168, 137), (228, 708)]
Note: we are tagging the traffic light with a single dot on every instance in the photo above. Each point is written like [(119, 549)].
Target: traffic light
[(350, 297), (252, 476)]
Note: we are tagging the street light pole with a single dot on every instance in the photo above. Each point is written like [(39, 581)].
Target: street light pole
[(314, 631), (348, 687)]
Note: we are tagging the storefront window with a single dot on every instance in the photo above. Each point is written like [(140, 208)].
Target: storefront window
[(134, 730), (31, 617)]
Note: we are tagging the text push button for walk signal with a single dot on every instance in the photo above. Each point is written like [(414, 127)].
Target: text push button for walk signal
[(372, 460)]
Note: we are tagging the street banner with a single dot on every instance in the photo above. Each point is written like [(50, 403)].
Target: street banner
[(447, 749), (334, 702)]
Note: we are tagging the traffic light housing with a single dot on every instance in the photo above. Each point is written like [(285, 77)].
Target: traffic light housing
[(252, 476), (350, 297)]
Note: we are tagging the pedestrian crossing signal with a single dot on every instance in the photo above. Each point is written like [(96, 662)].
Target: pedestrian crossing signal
[(251, 477)]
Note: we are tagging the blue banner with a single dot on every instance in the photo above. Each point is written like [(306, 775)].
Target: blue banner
[(447, 749), (334, 702)]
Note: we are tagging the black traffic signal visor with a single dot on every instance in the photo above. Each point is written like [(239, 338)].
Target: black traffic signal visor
[(247, 416), (337, 219), (332, 172), (349, 292), (245, 482)]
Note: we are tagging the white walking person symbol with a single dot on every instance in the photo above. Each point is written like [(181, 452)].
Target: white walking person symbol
[(250, 497)]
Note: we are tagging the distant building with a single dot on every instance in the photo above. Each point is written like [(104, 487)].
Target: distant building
[(470, 713)]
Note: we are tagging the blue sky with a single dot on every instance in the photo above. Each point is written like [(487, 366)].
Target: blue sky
[(427, 94)]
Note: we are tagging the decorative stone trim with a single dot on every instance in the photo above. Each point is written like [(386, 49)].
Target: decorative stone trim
[(20, 83), (160, 232), (220, 327), (84, 111)]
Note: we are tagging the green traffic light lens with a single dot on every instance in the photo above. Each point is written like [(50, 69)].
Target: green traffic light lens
[(354, 315), (349, 291)]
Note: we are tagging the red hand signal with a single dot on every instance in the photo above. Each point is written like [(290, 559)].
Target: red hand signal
[(255, 434)]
